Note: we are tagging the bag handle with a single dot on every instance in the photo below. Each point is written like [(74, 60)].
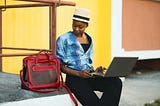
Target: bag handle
[(47, 53)]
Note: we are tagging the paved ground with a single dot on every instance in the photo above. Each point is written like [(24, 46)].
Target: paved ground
[(139, 88), (10, 89)]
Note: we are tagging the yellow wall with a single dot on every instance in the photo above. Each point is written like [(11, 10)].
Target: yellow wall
[(103, 45), (28, 27)]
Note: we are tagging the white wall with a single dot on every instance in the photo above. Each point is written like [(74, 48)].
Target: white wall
[(116, 36)]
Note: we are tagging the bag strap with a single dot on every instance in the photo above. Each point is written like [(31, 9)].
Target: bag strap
[(69, 91), (71, 95)]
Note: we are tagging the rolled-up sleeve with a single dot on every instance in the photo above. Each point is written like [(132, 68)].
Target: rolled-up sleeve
[(60, 52)]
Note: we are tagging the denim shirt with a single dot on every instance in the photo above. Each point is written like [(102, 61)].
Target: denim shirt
[(71, 53)]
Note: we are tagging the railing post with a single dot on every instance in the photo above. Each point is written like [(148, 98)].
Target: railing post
[(0, 39), (52, 28)]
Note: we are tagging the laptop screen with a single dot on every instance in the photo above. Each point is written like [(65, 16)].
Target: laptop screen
[(121, 66)]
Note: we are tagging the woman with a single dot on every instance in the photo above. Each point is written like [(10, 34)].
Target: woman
[(75, 51)]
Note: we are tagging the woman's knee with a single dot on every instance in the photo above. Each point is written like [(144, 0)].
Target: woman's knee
[(118, 83)]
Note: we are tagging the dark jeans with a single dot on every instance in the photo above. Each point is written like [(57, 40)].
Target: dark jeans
[(83, 89)]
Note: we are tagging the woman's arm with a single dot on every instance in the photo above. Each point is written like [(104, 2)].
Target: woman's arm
[(82, 74)]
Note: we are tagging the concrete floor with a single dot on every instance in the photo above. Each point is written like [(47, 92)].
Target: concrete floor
[(10, 89), (139, 88)]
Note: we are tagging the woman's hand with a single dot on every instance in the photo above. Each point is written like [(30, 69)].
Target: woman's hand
[(84, 74), (100, 69)]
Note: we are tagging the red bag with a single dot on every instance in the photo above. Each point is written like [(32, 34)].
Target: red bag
[(41, 73)]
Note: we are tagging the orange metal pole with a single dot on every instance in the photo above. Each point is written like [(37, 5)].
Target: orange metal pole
[(52, 28), (59, 2), (0, 38)]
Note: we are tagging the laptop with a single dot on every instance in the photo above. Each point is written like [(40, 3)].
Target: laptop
[(119, 67)]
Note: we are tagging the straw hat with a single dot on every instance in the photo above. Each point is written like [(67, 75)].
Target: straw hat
[(82, 14)]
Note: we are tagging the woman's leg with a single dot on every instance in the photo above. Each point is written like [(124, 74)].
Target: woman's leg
[(111, 88), (82, 90)]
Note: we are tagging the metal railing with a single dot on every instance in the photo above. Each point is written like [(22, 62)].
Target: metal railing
[(52, 4)]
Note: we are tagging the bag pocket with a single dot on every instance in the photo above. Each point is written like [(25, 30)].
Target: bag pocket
[(44, 75)]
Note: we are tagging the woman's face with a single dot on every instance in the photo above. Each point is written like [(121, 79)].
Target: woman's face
[(79, 27)]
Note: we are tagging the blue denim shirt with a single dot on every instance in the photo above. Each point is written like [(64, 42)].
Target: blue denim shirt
[(71, 53)]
